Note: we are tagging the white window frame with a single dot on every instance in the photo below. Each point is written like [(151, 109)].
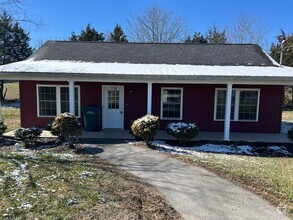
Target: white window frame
[(236, 110), (181, 103), (58, 99)]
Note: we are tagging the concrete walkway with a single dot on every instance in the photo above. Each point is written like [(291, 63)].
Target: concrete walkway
[(191, 190)]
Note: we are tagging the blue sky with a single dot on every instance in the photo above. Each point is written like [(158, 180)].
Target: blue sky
[(61, 17)]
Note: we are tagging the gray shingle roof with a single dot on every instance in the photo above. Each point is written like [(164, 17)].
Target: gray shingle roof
[(151, 53)]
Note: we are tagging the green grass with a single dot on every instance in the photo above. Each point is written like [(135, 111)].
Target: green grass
[(271, 178), (11, 117), (49, 182), (12, 91), (287, 115)]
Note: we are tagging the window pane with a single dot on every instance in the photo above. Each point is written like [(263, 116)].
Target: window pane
[(248, 105), (221, 103), (113, 99), (47, 101), (171, 103), (64, 96)]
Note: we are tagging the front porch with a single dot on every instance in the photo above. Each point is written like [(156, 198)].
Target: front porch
[(118, 134), (212, 136)]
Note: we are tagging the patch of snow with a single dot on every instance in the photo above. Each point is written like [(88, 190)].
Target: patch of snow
[(271, 59), (213, 148), (279, 149), (58, 66), (176, 150), (25, 206), (52, 177), (179, 126), (72, 201), (86, 174), (23, 167)]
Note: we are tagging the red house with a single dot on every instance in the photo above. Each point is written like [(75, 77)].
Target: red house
[(235, 87)]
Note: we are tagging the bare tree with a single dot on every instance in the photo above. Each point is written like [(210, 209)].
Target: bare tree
[(248, 30), (157, 25), (17, 8)]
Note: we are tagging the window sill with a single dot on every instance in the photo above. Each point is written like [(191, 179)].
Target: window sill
[(222, 120), (51, 116), (171, 119)]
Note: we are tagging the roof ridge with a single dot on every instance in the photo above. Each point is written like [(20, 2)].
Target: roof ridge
[(151, 43)]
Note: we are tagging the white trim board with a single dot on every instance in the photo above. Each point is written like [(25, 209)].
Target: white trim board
[(58, 99)]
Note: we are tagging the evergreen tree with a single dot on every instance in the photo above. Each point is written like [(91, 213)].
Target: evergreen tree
[(287, 51), (216, 36), (118, 35), (287, 61), (197, 38), (89, 34), (14, 43)]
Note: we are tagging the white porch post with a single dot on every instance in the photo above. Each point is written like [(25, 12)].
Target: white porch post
[(228, 112), (149, 102), (71, 97), (1, 119)]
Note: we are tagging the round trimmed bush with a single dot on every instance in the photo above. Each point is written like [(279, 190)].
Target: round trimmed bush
[(146, 128), (182, 131), (66, 125), (28, 136)]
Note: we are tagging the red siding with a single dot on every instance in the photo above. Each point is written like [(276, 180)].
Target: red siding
[(90, 95), (198, 105)]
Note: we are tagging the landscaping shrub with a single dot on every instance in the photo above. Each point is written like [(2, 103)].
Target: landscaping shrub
[(146, 128), (55, 132), (3, 127), (67, 125), (290, 134), (182, 131), (28, 136)]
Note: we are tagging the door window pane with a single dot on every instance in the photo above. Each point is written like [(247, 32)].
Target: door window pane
[(113, 99)]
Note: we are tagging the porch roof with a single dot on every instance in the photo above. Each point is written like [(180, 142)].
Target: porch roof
[(82, 71)]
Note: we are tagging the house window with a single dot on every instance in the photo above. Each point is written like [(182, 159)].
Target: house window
[(47, 101), (171, 103), (244, 104), (54, 100), (221, 103), (248, 105)]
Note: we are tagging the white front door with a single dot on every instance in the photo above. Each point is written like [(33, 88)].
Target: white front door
[(113, 106)]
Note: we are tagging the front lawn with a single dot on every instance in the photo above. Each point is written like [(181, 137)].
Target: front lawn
[(44, 184), (11, 117), (270, 177), (12, 91), (287, 115)]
